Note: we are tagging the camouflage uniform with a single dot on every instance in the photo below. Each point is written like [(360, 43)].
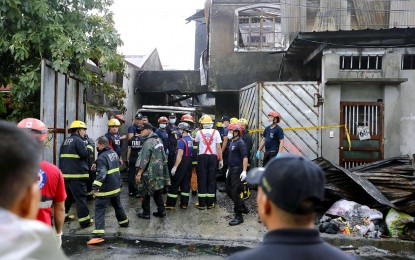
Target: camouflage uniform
[(156, 176)]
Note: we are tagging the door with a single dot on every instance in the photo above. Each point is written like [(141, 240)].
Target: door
[(365, 124)]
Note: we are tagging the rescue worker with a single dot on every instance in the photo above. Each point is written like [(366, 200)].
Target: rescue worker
[(171, 140), (137, 123), (122, 121), (91, 161), (210, 154), (152, 172), (236, 174), (114, 137), (161, 131), (272, 139), (233, 120), (225, 148), (182, 170), (247, 138), (106, 189), (50, 180), (73, 162), (134, 147), (188, 118)]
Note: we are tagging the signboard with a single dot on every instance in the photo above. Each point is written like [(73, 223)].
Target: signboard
[(363, 133)]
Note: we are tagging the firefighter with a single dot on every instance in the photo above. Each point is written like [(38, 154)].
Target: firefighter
[(247, 138), (73, 162), (161, 131), (106, 189), (114, 137), (236, 174), (171, 140), (188, 118), (51, 184), (272, 138), (233, 120), (210, 154), (134, 147), (225, 148), (91, 161), (182, 170)]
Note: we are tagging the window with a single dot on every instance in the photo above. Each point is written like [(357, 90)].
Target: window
[(408, 62), (363, 62), (258, 28)]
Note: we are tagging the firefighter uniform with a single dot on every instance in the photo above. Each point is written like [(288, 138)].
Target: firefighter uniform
[(73, 162), (171, 144), (91, 161), (181, 178), (108, 185)]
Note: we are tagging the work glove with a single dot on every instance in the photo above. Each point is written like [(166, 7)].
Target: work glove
[(278, 155), (59, 240), (220, 164), (258, 154), (173, 170), (243, 176), (227, 172)]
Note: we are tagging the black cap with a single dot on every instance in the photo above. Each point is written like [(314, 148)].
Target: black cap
[(138, 116), (172, 115), (225, 118), (147, 126), (290, 180)]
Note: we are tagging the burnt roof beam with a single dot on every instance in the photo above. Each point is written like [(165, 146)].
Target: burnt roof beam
[(313, 54)]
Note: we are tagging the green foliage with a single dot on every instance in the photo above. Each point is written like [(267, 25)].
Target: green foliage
[(66, 32)]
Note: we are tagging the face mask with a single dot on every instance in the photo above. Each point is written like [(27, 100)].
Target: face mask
[(224, 126), (230, 136), (172, 121), (162, 125)]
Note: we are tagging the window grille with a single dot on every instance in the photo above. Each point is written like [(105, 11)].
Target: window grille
[(362, 62)]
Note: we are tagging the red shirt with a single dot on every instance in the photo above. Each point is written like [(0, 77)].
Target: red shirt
[(52, 187)]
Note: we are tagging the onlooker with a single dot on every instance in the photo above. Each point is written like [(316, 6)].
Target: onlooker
[(73, 162), (290, 188), (107, 189), (135, 145), (272, 139), (22, 237), (152, 174), (132, 129), (50, 180)]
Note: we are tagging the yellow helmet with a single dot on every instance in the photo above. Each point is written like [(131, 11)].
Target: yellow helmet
[(205, 119), (219, 124), (243, 122), (77, 124), (233, 120), (114, 122)]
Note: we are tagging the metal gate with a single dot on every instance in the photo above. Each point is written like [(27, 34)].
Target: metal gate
[(62, 101), (365, 124)]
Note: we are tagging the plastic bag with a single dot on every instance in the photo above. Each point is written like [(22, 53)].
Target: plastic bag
[(396, 221)]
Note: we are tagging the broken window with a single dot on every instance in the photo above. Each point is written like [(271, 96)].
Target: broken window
[(408, 62), (258, 28), (362, 62)]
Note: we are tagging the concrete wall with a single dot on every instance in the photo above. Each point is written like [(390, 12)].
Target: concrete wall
[(230, 70)]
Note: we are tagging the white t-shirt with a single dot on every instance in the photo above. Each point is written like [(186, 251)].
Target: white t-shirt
[(27, 239), (215, 140)]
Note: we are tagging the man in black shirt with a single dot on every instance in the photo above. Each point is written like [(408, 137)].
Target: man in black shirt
[(134, 147), (290, 187)]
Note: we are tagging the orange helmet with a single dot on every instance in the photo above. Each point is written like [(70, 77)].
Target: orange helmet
[(37, 127), (236, 127), (276, 115), (162, 120), (120, 118), (187, 118)]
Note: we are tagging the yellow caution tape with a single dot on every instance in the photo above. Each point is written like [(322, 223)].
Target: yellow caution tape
[(311, 128)]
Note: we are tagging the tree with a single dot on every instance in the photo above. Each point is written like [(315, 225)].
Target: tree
[(66, 32)]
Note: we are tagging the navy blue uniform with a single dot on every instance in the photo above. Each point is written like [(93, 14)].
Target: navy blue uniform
[(234, 186), (132, 129), (162, 133), (183, 175), (115, 142), (135, 144), (171, 130), (272, 142)]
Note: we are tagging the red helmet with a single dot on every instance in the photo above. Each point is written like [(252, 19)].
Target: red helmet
[(163, 120), (236, 127), (276, 115), (187, 118), (120, 118), (37, 127)]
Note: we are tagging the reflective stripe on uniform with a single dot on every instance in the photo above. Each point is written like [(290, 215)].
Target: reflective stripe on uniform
[(83, 219), (184, 194), (123, 222), (69, 175), (98, 231), (45, 204), (171, 195), (202, 195), (102, 194), (69, 155), (113, 170), (210, 195), (98, 183), (90, 147)]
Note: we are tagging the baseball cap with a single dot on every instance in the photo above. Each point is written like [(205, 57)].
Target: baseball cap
[(290, 180), (225, 118), (172, 114), (147, 126), (138, 116)]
